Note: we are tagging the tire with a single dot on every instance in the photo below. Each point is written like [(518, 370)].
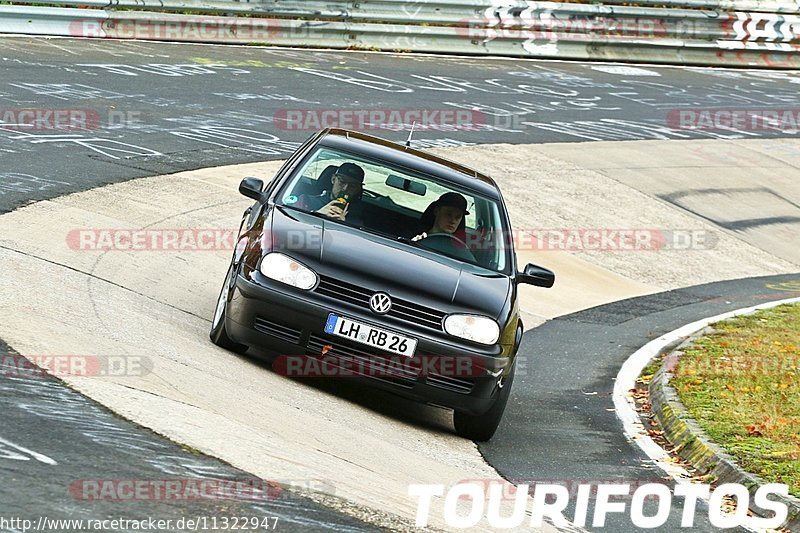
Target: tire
[(481, 428), (218, 334)]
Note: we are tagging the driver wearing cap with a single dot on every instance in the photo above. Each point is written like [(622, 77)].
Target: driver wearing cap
[(443, 226), (445, 215)]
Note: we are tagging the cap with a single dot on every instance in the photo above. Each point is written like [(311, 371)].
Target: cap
[(352, 171), (452, 199)]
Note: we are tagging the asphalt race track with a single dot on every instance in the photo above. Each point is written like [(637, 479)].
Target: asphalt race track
[(157, 109), (553, 402), (93, 444), (162, 108)]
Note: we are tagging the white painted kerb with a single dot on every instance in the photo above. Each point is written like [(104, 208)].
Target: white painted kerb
[(625, 406)]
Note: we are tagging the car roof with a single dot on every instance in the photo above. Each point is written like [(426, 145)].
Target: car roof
[(439, 167)]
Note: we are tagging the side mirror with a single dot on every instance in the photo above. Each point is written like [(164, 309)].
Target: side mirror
[(251, 187), (536, 275)]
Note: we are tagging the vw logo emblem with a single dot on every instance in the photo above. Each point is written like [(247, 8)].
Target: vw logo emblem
[(380, 303)]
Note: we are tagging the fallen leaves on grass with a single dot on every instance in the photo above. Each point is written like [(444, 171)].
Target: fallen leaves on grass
[(741, 383)]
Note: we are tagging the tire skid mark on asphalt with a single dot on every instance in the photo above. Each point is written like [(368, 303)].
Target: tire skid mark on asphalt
[(6, 453)]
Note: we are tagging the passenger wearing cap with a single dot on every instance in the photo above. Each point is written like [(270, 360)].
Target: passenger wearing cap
[(343, 200), (443, 226)]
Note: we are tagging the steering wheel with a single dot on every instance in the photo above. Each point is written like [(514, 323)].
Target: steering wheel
[(444, 234)]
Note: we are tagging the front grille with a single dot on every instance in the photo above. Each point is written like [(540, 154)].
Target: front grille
[(344, 291), (382, 366), (402, 309), (459, 385), (461, 378), (279, 331)]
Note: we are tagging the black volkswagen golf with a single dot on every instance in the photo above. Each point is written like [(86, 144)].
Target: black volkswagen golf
[(367, 258)]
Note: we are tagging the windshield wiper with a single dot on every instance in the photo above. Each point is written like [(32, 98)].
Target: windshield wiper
[(406, 240)]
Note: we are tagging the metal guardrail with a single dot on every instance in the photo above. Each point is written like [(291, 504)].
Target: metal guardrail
[(763, 33)]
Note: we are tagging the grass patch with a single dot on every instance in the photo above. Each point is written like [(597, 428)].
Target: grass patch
[(652, 367), (742, 385)]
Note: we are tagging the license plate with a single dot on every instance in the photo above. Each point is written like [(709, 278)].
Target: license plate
[(370, 335)]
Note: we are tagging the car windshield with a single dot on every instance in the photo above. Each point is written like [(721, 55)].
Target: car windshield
[(416, 209)]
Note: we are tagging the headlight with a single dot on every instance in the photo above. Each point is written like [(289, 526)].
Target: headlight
[(472, 327), (286, 270)]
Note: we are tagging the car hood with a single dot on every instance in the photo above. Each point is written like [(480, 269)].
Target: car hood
[(379, 263)]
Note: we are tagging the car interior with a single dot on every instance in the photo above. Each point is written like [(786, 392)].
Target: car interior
[(382, 214)]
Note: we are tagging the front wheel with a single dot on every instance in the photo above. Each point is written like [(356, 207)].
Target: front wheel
[(482, 427), (218, 334)]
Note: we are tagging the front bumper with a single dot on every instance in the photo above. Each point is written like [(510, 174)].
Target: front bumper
[(290, 322)]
